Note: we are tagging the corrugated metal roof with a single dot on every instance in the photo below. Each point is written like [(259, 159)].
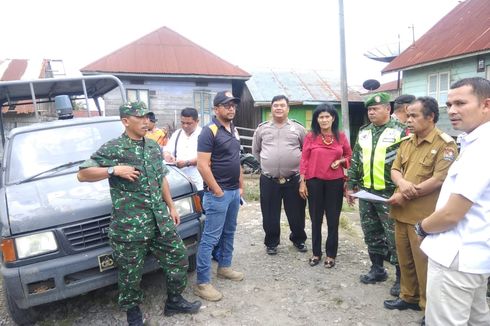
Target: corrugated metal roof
[(22, 69), (301, 87), (464, 30), (165, 52), (20, 107)]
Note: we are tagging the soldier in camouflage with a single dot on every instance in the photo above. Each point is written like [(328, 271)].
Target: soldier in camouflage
[(143, 214), (371, 162)]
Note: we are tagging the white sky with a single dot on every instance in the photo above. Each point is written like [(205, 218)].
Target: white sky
[(252, 34)]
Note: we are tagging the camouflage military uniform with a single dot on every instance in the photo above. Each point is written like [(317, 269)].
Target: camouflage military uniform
[(378, 228), (140, 219)]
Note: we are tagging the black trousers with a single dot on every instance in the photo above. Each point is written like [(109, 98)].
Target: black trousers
[(272, 195), (325, 197)]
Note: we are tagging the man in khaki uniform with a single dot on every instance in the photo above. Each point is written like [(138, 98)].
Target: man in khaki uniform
[(418, 171), (277, 146)]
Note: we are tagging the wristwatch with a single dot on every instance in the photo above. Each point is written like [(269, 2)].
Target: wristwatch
[(420, 231), (187, 163), (110, 171)]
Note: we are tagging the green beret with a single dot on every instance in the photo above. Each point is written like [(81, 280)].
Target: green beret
[(137, 109), (377, 98)]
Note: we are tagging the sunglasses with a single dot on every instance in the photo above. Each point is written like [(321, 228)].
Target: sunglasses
[(229, 105)]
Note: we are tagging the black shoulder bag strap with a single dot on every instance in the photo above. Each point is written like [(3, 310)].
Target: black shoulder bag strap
[(176, 141)]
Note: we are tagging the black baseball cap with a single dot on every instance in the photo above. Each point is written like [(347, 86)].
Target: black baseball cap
[(151, 117), (224, 97)]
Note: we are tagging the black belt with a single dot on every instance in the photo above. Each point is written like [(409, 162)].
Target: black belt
[(281, 180)]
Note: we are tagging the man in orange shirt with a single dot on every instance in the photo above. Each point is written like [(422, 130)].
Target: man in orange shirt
[(157, 134)]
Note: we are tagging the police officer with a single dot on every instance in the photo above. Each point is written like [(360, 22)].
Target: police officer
[(277, 146), (419, 170), (371, 162), (144, 217)]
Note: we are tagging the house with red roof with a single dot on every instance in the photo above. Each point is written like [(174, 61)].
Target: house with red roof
[(458, 46), (168, 72)]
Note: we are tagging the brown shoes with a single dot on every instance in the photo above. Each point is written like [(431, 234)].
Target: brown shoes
[(207, 292), (230, 274)]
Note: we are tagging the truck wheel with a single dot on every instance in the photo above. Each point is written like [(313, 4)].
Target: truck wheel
[(19, 316), (192, 263)]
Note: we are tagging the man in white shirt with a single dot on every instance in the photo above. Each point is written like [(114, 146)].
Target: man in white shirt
[(182, 147), (457, 234)]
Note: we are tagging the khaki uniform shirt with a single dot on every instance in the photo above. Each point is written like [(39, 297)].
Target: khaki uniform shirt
[(278, 149), (419, 162)]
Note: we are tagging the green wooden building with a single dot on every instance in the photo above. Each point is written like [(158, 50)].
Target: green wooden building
[(448, 52)]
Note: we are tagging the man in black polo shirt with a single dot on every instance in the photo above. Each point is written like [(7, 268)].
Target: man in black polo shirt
[(218, 161)]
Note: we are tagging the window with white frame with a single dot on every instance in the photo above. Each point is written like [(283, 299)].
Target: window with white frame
[(142, 95), (438, 86), (203, 105)]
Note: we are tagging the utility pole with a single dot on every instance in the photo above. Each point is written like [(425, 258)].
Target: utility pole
[(344, 102), (413, 33), (398, 82)]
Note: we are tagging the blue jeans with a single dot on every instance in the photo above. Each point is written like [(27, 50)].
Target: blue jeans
[(219, 230)]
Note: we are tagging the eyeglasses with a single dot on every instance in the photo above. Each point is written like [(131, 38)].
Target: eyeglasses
[(229, 105)]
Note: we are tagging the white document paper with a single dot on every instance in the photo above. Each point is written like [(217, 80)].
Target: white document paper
[(369, 196)]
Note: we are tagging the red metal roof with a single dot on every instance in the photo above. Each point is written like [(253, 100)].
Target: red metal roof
[(165, 52), (20, 107), (464, 30), (15, 70), (21, 69)]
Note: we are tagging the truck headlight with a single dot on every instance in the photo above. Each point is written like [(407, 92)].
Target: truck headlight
[(35, 244), (184, 206)]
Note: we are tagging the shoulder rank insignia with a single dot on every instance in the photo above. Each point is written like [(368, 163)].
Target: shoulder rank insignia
[(446, 137), (296, 121)]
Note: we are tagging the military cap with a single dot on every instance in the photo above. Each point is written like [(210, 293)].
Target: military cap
[(404, 99), (224, 97), (377, 98), (137, 109)]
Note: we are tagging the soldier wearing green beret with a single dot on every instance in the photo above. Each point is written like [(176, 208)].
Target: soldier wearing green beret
[(144, 217), (372, 157)]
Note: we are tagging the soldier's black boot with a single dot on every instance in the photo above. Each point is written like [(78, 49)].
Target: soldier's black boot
[(377, 273), (176, 304), (395, 289), (134, 316)]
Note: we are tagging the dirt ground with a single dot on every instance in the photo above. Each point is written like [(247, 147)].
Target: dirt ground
[(277, 290)]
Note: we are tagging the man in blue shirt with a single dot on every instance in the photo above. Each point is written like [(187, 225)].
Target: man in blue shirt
[(218, 161)]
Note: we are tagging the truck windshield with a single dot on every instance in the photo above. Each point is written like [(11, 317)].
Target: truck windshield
[(39, 151)]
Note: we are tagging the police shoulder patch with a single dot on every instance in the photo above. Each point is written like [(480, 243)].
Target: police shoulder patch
[(446, 138)]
